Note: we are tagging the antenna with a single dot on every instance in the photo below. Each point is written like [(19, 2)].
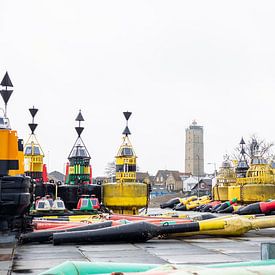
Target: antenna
[(126, 131), (242, 147), (33, 125), (79, 118), (79, 142), (6, 82)]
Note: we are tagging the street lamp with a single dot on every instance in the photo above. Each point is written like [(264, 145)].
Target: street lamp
[(198, 186), (215, 170)]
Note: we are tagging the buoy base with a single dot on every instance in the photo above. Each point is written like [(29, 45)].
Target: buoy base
[(125, 198)]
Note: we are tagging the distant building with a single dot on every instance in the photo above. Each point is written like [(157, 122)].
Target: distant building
[(174, 181), (205, 187), (189, 183), (143, 177), (56, 176), (161, 177), (100, 180), (158, 183), (194, 152)]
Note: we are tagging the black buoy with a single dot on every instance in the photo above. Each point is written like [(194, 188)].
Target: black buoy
[(132, 232), (46, 235), (253, 208), (170, 204), (229, 209), (180, 207)]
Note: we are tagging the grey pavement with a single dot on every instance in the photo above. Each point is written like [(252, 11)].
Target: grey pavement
[(196, 250)]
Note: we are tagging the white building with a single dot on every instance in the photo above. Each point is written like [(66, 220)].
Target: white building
[(189, 183)]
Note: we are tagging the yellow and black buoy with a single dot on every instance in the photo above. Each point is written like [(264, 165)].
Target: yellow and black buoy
[(11, 149), (15, 187), (33, 156), (125, 195), (248, 183), (34, 163)]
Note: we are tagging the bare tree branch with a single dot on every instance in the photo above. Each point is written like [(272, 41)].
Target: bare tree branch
[(255, 146), (110, 169)]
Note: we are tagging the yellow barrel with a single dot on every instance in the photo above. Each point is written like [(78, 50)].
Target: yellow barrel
[(126, 197)]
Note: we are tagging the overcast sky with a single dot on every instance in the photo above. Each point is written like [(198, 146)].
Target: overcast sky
[(168, 62)]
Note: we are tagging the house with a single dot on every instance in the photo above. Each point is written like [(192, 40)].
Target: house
[(143, 177), (174, 181), (204, 188), (161, 177), (189, 183)]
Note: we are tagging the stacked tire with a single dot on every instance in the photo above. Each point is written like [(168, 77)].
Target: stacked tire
[(15, 200)]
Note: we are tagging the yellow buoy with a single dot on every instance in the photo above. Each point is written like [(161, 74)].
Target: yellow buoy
[(125, 195), (246, 183), (33, 156)]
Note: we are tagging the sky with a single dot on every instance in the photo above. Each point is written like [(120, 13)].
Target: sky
[(168, 62)]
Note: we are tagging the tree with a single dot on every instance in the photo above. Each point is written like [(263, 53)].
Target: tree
[(110, 169), (254, 147)]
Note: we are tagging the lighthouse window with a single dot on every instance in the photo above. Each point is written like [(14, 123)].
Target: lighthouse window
[(82, 153), (131, 168), (36, 150), (127, 152), (79, 152), (41, 205), (119, 168), (28, 150), (1, 121), (94, 202), (84, 202), (60, 204)]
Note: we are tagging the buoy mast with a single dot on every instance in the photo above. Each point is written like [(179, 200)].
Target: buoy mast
[(34, 155), (126, 195), (79, 170), (126, 158), (78, 179)]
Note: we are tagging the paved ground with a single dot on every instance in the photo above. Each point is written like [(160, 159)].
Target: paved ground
[(33, 259)]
